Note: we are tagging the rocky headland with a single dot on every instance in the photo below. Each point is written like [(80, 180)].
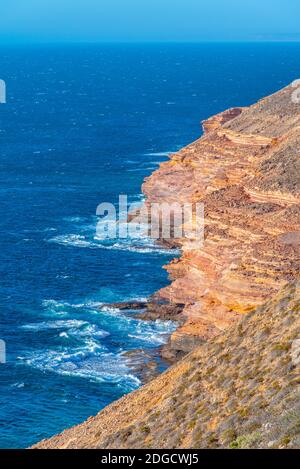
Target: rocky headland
[(237, 298)]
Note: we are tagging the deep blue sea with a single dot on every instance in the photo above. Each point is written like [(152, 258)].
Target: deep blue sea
[(83, 124)]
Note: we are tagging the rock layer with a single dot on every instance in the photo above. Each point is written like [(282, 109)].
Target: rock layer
[(246, 171)]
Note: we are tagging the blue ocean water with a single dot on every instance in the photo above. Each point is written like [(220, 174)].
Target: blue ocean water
[(83, 124)]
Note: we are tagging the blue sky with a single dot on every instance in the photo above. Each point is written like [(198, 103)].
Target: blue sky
[(148, 20)]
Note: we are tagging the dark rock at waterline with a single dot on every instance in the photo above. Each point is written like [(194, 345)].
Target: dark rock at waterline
[(152, 310), (145, 364), (127, 305), (165, 311)]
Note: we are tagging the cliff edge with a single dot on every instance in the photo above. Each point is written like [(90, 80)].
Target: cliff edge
[(246, 171)]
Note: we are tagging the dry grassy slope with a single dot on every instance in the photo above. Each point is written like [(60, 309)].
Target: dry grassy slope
[(239, 390)]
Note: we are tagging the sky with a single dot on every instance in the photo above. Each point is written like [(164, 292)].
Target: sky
[(148, 20)]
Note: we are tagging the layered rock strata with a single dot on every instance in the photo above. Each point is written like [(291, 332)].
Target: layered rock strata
[(246, 171)]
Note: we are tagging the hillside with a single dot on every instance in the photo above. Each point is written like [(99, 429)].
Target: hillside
[(240, 390)]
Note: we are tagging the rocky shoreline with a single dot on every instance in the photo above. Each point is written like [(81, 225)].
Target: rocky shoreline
[(151, 311), (240, 331)]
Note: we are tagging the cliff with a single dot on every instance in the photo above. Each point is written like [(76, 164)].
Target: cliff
[(239, 384), (246, 171)]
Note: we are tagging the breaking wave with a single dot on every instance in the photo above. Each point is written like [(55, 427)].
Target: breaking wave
[(86, 346)]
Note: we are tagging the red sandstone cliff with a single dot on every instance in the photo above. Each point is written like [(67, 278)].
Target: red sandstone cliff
[(246, 171)]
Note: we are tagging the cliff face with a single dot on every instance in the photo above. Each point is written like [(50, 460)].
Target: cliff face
[(240, 385), (246, 171), (240, 390)]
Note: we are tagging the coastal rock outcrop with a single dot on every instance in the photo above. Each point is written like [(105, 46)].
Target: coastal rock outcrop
[(246, 171)]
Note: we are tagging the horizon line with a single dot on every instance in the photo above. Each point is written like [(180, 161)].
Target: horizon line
[(148, 42)]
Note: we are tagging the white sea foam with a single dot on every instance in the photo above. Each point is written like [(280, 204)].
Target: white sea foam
[(152, 332), (18, 385), (54, 305), (82, 352), (90, 361), (74, 219), (137, 197), (41, 326), (64, 335), (156, 332), (75, 327), (150, 249), (74, 240), (137, 244), (159, 153)]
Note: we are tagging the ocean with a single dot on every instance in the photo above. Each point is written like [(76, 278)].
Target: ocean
[(83, 124)]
